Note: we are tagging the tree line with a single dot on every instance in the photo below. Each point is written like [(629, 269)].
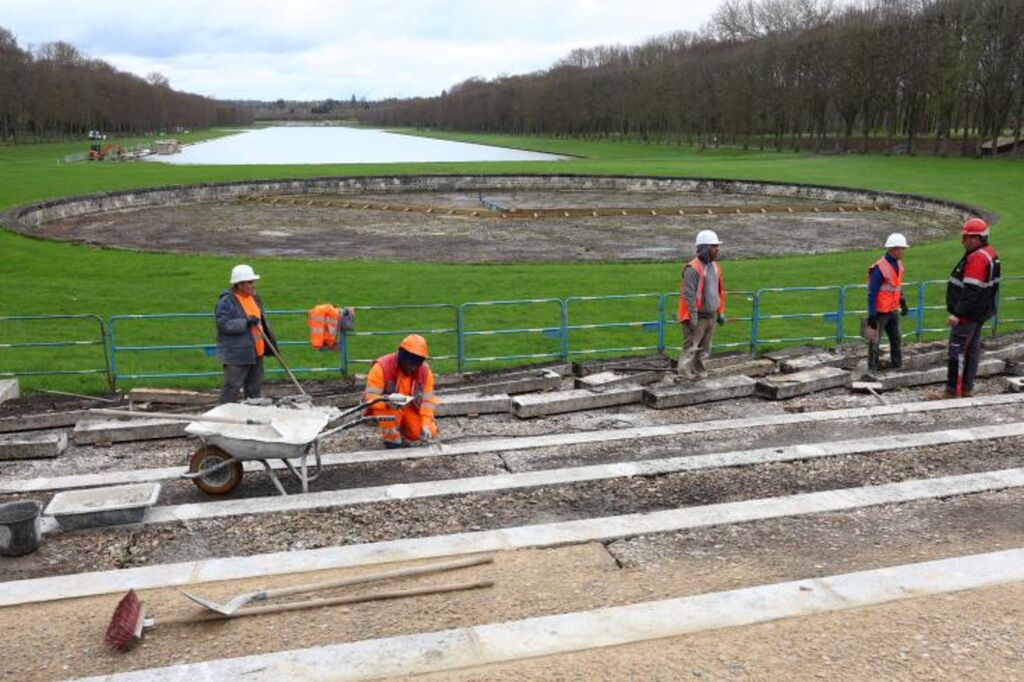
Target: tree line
[(54, 92), (917, 76)]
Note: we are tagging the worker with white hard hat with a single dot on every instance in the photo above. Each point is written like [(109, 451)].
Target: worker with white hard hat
[(701, 305), (886, 302), (243, 335)]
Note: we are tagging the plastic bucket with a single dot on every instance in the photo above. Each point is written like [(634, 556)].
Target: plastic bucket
[(19, 527)]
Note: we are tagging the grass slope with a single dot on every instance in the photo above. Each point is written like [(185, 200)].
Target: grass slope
[(48, 277)]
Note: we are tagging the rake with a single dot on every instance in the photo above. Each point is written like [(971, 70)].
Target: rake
[(130, 622)]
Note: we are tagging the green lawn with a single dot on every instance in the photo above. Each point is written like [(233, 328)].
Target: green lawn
[(39, 277)]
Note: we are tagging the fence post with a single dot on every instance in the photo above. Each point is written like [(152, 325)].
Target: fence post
[(661, 323), (920, 310), (840, 314), (111, 382), (564, 330), (343, 352), (113, 354), (754, 314), (460, 341)]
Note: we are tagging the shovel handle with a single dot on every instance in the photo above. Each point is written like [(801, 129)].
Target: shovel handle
[(180, 417)]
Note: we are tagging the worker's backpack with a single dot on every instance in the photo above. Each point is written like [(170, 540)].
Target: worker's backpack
[(326, 321)]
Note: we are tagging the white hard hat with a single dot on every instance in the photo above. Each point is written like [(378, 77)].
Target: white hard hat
[(896, 241), (707, 237), (243, 273)]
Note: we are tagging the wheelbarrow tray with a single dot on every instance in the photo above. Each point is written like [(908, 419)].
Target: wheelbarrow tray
[(289, 434)]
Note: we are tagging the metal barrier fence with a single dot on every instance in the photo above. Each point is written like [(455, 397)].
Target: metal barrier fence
[(481, 333)]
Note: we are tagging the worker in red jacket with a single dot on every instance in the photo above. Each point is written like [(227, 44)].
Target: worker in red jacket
[(404, 372), (971, 297)]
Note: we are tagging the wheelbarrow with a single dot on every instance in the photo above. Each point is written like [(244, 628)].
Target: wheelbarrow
[(262, 433)]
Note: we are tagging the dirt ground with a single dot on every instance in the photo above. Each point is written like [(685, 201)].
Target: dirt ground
[(237, 227), (65, 636)]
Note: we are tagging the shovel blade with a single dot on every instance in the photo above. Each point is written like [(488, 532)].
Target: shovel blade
[(222, 609)]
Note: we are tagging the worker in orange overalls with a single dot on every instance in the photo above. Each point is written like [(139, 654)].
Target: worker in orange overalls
[(405, 372)]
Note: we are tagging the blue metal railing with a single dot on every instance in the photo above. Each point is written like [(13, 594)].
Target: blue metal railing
[(495, 332)]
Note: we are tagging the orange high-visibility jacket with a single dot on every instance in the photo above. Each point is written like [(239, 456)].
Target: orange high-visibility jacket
[(323, 321), (888, 297), (384, 379), (698, 265)]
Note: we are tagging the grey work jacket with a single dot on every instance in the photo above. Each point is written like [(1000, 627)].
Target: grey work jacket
[(235, 343)]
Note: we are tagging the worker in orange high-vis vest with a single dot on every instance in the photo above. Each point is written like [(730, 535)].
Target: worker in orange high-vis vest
[(886, 302), (242, 336), (701, 305), (405, 372)]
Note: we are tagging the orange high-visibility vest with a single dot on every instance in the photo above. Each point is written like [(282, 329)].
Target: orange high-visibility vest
[(252, 309), (422, 390), (323, 321), (698, 265), (888, 297)]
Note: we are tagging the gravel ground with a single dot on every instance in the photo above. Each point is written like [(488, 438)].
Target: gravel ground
[(243, 228), (64, 637), (100, 549)]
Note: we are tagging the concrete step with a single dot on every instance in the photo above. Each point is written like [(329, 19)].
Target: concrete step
[(750, 368), (936, 375), (1014, 351), (785, 386), (1014, 384), (33, 445), (462, 404), (709, 390), (823, 359), (527, 382), (170, 396), (576, 400), (650, 362), (45, 420), (92, 431), (9, 390), (620, 377)]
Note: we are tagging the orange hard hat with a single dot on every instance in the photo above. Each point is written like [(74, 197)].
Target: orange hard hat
[(415, 344), (975, 227)]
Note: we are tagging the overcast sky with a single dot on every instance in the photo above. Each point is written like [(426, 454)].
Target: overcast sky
[(314, 49)]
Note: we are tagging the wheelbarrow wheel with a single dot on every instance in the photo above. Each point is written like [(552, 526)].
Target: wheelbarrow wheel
[(219, 482)]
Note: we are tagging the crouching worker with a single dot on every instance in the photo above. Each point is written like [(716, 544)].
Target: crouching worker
[(405, 372)]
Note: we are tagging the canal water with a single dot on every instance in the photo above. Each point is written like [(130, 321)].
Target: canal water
[(287, 145)]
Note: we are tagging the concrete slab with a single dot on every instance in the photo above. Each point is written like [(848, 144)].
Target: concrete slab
[(602, 380), (461, 404), (657, 361), (750, 368), (89, 431), (45, 420), (170, 396), (790, 352), (506, 539), (813, 360), (495, 643), (9, 390), (558, 402), (14, 485), (330, 499), (1014, 368), (1014, 384), (709, 390), (527, 382), (1014, 351), (33, 445), (936, 375), (781, 387), (867, 387)]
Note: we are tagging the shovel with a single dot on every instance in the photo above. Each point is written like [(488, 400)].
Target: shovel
[(303, 397), (241, 600)]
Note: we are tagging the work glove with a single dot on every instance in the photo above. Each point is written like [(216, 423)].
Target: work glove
[(253, 320), (904, 308), (873, 322), (425, 436), (720, 319)]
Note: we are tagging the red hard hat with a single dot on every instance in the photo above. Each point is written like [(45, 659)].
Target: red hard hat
[(415, 344), (975, 227)]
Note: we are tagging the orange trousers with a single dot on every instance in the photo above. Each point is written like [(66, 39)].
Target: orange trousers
[(407, 424)]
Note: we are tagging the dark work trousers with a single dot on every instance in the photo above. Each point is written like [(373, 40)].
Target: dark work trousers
[(890, 323), (964, 353), (237, 377)]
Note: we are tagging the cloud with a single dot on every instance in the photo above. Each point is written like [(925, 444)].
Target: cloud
[(313, 49)]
